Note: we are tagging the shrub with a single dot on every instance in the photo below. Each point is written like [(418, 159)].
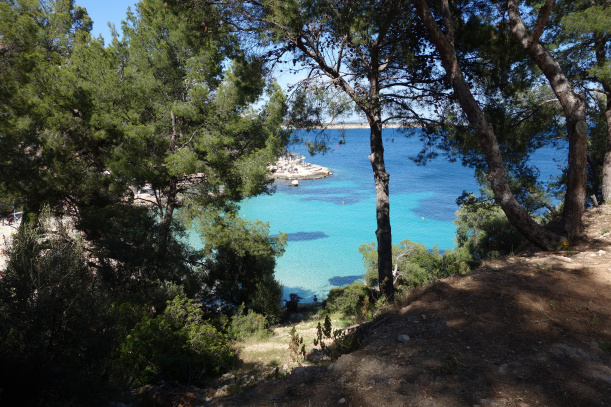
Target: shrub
[(239, 267), (416, 265), (177, 345), (482, 228), (54, 331), (250, 325), (349, 299)]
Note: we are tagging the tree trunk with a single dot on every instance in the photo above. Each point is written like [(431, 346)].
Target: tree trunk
[(600, 49), (574, 111), (517, 215), (594, 178), (171, 201), (383, 232), (606, 187), (172, 191)]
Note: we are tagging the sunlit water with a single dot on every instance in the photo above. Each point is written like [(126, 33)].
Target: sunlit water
[(328, 219)]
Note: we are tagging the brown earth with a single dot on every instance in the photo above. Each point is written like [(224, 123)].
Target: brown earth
[(529, 330)]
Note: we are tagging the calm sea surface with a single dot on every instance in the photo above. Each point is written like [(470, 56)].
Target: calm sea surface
[(327, 219)]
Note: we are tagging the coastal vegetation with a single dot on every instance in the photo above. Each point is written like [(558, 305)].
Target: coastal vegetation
[(102, 292)]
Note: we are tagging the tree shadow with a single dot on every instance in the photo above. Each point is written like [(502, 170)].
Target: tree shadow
[(507, 336), (305, 236)]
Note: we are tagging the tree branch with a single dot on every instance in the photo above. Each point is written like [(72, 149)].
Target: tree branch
[(542, 20)]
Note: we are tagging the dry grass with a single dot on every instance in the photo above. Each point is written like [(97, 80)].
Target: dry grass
[(274, 350)]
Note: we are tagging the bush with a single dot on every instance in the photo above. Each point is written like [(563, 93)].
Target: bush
[(250, 325), (349, 299), (482, 228), (416, 265), (177, 345), (240, 263), (54, 331)]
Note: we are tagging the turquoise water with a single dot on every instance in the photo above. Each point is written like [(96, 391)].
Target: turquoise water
[(324, 234)]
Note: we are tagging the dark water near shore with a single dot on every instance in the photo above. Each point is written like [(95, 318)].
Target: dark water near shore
[(327, 219)]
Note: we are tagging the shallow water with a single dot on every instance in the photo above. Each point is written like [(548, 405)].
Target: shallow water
[(327, 219)]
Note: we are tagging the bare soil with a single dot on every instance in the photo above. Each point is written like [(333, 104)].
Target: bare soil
[(527, 330)]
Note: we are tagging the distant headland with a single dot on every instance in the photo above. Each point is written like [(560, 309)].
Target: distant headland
[(363, 125)]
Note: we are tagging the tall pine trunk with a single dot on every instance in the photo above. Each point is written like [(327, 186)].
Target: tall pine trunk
[(600, 43), (606, 183), (517, 215), (383, 231), (574, 111)]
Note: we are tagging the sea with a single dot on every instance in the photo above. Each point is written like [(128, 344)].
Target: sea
[(327, 219)]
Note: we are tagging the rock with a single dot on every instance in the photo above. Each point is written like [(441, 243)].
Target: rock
[(315, 355), (299, 370), (342, 401), (228, 377), (561, 258), (222, 392), (403, 338), (492, 403)]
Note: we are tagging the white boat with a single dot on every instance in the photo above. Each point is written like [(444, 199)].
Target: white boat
[(294, 183)]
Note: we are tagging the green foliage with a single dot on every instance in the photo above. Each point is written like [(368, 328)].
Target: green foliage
[(415, 264), (47, 107), (323, 333), (482, 229), (82, 125), (240, 262), (247, 326), (55, 336), (147, 261), (349, 299), (188, 102), (296, 346), (177, 345), (343, 342)]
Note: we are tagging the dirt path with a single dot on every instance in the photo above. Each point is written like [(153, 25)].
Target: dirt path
[(527, 330)]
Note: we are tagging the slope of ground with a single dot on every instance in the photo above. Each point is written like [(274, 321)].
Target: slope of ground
[(528, 330)]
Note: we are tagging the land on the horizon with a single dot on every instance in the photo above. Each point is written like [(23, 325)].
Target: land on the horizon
[(364, 125)]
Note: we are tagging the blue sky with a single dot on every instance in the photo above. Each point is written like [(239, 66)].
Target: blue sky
[(101, 12), (104, 11)]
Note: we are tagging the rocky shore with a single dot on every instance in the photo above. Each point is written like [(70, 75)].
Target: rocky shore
[(292, 166)]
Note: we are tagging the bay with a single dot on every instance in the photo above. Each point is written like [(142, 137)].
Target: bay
[(328, 219)]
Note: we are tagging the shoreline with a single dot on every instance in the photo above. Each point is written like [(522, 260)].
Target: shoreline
[(336, 126), (292, 166)]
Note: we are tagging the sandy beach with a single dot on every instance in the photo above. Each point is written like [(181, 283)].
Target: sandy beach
[(6, 233)]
